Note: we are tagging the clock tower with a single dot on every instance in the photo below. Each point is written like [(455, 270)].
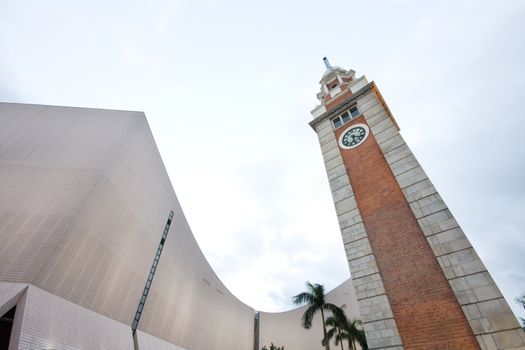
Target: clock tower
[(418, 281)]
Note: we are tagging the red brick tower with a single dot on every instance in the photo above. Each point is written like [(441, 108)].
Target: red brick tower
[(419, 282)]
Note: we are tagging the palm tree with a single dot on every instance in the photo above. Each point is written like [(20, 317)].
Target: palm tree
[(314, 299), (521, 300), (361, 338), (343, 328), (337, 331), (355, 334)]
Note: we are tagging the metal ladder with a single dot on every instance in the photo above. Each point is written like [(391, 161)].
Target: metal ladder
[(147, 287)]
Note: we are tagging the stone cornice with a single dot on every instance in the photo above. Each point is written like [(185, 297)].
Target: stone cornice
[(343, 106)]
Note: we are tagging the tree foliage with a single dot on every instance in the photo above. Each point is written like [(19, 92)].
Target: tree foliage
[(344, 329), (521, 300), (313, 297), (341, 327), (273, 347)]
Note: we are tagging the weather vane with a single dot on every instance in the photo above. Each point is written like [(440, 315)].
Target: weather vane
[(327, 64)]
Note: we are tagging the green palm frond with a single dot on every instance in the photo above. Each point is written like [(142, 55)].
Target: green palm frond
[(355, 334), (317, 292), (361, 339), (308, 316), (329, 335), (336, 311), (331, 321), (303, 298)]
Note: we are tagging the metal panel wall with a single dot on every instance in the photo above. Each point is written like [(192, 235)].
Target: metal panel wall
[(84, 198)]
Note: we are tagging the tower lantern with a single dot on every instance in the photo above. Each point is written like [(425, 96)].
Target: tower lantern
[(418, 280)]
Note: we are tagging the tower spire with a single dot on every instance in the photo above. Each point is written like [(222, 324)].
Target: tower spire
[(327, 64)]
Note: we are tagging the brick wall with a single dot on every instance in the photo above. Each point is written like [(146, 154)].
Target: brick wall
[(424, 306)]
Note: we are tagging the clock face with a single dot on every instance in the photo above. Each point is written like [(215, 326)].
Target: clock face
[(353, 136)]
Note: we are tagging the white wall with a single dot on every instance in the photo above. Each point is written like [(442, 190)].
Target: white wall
[(285, 329)]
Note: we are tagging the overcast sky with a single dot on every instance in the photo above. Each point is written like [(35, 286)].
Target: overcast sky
[(227, 87)]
